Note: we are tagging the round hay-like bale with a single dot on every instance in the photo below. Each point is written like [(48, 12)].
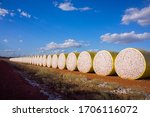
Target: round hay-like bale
[(85, 61), (132, 63), (29, 60), (103, 63), (40, 60), (54, 61), (44, 60), (49, 61), (71, 62), (34, 60), (62, 61)]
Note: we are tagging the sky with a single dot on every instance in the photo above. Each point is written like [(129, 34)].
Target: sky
[(33, 27)]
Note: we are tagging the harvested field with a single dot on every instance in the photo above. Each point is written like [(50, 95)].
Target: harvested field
[(77, 85)]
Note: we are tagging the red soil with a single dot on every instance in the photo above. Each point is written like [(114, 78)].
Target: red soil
[(14, 87), (141, 84)]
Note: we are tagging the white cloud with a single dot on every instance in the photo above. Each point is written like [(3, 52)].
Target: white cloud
[(68, 6), (70, 43), (23, 13), (125, 37), (5, 41), (141, 16), (3, 12), (85, 9)]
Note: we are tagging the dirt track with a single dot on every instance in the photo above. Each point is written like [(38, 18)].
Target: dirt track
[(14, 87)]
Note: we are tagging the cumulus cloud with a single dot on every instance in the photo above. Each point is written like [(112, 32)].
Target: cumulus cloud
[(140, 16), (23, 13), (69, 43), (128, 37), (3, 12), (68, 6)]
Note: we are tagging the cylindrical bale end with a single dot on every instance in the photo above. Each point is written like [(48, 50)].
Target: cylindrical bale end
[(133, 64), (103, 63), (62, 61), (72, 61), (44, 60), (49, 61), (85, 61), (55, 61)]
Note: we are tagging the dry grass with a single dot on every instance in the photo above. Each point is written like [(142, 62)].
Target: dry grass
[(77, 86)]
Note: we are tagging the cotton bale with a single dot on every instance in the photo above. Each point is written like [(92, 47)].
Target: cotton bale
[(49, 61), (44, 60), (62, 61), (55, 61), (38, 60), (103, 63), (71, 62), (133, 64), (34, 60), (41, 60), (30, 60), (85, 61)]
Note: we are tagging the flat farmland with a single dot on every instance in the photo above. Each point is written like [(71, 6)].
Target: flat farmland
[(25, 81)]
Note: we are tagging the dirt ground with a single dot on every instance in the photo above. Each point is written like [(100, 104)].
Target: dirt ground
[(14, 87), (141, 84)]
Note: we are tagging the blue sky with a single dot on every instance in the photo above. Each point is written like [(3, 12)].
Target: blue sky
[(30, 27)]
